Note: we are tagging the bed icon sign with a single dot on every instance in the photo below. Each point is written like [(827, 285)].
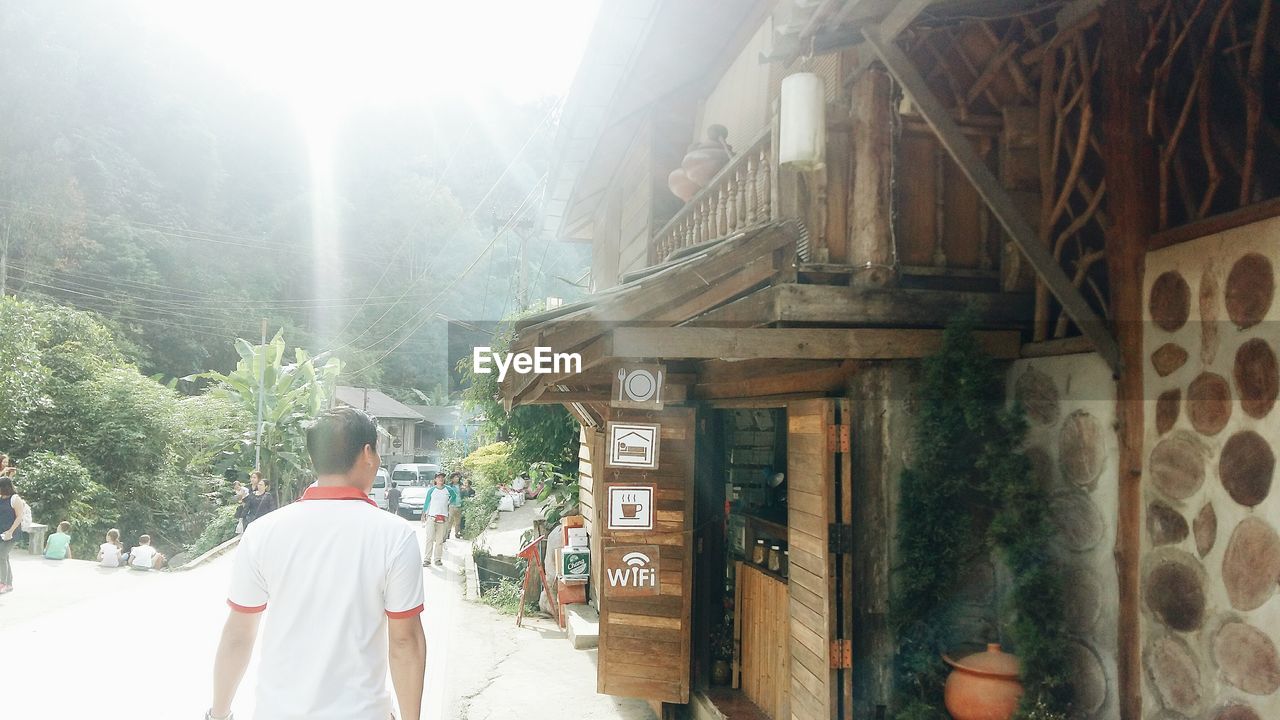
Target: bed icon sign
[(633, 445)]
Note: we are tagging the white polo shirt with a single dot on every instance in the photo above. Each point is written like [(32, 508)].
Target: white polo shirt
[(329, 570)]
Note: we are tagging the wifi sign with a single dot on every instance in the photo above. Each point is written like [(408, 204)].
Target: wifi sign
[(632, 570)]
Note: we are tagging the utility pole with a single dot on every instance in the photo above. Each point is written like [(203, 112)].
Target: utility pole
[(4, 259), (262, 380), (524, 230)]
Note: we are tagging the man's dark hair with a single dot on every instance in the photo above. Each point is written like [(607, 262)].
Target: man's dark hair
[(337, 437)]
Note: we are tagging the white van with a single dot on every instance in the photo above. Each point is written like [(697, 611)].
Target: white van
[(380, 485), (413, 479)]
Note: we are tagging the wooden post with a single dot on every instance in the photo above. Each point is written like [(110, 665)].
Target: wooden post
[(871, 250), (1129, 163)]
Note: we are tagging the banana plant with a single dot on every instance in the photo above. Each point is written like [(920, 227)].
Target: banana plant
[(290, 395)]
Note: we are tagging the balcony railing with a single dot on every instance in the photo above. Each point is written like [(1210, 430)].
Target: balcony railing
[(739, 196)]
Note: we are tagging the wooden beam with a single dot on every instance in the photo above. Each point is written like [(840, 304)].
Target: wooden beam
[(902, 15), (1054, 348), (1222, 222), (670, 394), (799, 343), (870, 233), (996, 197), (1130, 167), (826, 379), (836, 305)]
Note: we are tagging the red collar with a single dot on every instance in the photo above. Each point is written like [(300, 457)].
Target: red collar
[(336, 492)]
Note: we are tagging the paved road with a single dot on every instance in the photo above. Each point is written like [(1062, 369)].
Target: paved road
[(86, 642)]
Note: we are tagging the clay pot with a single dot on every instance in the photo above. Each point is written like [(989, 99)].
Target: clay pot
[(703, 163), (983, 686), (681, 186), (705, 159), (720, 672)]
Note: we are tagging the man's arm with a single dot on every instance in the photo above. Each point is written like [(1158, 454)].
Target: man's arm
[(238, 636), (407, 653)]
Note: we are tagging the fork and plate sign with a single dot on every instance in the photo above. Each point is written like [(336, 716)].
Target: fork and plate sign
[(638, 386)]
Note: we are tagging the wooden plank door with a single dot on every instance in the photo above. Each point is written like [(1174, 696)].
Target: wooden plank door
[(819, 506)]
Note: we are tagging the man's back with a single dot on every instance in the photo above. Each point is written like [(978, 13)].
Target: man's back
[(329, 570)]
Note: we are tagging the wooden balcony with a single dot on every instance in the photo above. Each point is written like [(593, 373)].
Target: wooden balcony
[(741, 195)]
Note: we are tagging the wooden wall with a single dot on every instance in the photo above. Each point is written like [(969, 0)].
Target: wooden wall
[(588, 467), (763, 629), (740, 100), (634, 193), (622, 224), (942, 221), (645, 641)]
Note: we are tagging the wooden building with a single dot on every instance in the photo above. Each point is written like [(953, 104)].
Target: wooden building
[(1090, 176)]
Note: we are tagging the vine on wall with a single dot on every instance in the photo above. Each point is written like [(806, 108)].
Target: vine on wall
[(970, 492)]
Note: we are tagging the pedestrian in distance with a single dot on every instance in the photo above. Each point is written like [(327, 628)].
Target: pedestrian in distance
[(455, 505), (393, 498), (240, 494), (145, 557), (13, 509), (111, 553), (467, 493), (435, 520), (339, 582), (58, 546), (260, 501)]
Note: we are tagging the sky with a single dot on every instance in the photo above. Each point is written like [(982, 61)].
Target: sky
[(328, 57)]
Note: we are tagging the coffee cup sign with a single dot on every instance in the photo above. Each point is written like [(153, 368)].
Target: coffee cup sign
[(630, 507)]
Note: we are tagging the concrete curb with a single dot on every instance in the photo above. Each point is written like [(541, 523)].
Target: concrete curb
[(210, 555), (458, 558)]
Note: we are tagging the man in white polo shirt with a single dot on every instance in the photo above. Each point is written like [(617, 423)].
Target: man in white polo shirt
[(341, 585)]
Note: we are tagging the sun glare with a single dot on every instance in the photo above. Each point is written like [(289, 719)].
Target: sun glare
[(382, 51)]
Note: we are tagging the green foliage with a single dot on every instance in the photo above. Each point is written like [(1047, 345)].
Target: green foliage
[(59, 488), (221, 528), (559, 496), (22, 375), (537, 433), (489, 466), (290, 395), (452, 453), (102, 445), (970, 489), (505, 597)]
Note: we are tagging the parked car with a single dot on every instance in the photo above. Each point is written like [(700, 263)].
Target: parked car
[(413, 479), (380, 485)]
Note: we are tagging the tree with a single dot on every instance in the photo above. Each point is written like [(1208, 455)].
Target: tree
[(289, 394), (536, 433)]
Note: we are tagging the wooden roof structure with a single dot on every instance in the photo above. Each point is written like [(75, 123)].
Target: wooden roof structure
[(722, 304)]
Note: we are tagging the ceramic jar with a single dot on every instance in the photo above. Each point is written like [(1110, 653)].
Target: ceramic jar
[(983, 686)]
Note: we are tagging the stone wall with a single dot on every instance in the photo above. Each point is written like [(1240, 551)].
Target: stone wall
[(1211, 552), (1071, 413)]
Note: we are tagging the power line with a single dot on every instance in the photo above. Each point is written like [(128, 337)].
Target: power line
[(449, 287), (246, 242), (492, 188)]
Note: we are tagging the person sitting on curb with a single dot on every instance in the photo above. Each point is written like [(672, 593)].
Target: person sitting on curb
[(111, 553), (58, 546), (145, 557)]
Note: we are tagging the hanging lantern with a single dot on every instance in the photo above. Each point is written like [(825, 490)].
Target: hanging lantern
[(802, 127)]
